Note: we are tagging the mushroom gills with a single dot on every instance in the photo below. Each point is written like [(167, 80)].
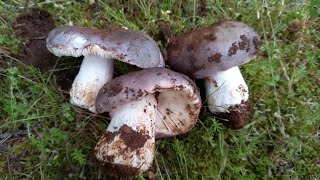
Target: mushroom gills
[(128, 144), (94, 72), (226, 89), (174, 113)]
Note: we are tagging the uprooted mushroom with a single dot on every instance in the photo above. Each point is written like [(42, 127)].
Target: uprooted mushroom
[(214, 53), (144, 105), (100, 48)]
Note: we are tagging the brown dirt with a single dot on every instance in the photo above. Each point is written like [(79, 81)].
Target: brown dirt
[(257, 44), (107, 138), (297, 26), (215, 58), (194, 39), (32, 27), (120, 170), (116, 169), (210, 36), (233, 49), (133, 139), (244, 44), (236, 119), (165, 33), (116, 88)]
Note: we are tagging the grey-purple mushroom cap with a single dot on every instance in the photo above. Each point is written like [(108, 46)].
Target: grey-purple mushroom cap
[(178, 98), (129, 46), (205, 51)]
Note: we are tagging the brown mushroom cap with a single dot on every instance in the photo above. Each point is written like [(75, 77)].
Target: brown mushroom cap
[(178, 98), (205, 51), (129, 46)]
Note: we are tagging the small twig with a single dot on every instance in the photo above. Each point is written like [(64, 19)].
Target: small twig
[(5, 139), (62, 69), (8, 56), (2, 19), (38, 38), (50, 2), (29, 80)]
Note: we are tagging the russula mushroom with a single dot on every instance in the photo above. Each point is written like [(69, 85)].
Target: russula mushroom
[(214, 54), (144, 105), (100, 48)]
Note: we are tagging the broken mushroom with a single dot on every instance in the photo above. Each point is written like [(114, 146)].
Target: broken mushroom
[(100, 48), (214, 54), (144, 105)]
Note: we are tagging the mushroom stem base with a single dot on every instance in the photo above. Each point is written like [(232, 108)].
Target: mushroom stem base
[(128, 146), (226, 89), (227, 95), (236, 116), (94, 73)]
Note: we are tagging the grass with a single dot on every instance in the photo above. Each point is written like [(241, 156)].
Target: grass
[(43, 136)]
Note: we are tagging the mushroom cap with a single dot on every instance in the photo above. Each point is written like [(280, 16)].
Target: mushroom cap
[(205, 51), (129, 46), (178, 98)]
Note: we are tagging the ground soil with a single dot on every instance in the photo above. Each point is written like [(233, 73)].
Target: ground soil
[(32, 26)]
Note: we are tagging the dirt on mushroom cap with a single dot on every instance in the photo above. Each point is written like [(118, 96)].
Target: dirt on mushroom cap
[(219, 47)]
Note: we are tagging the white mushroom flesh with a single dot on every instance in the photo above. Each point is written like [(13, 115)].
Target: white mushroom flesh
[(94, 72), (226, 89)]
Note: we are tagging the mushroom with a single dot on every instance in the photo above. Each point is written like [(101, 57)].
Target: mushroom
[(214, 54), (100, 48), (144, 105)]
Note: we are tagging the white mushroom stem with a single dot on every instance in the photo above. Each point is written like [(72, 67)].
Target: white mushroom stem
[(129, 142), (226, 89), (94, 72)]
